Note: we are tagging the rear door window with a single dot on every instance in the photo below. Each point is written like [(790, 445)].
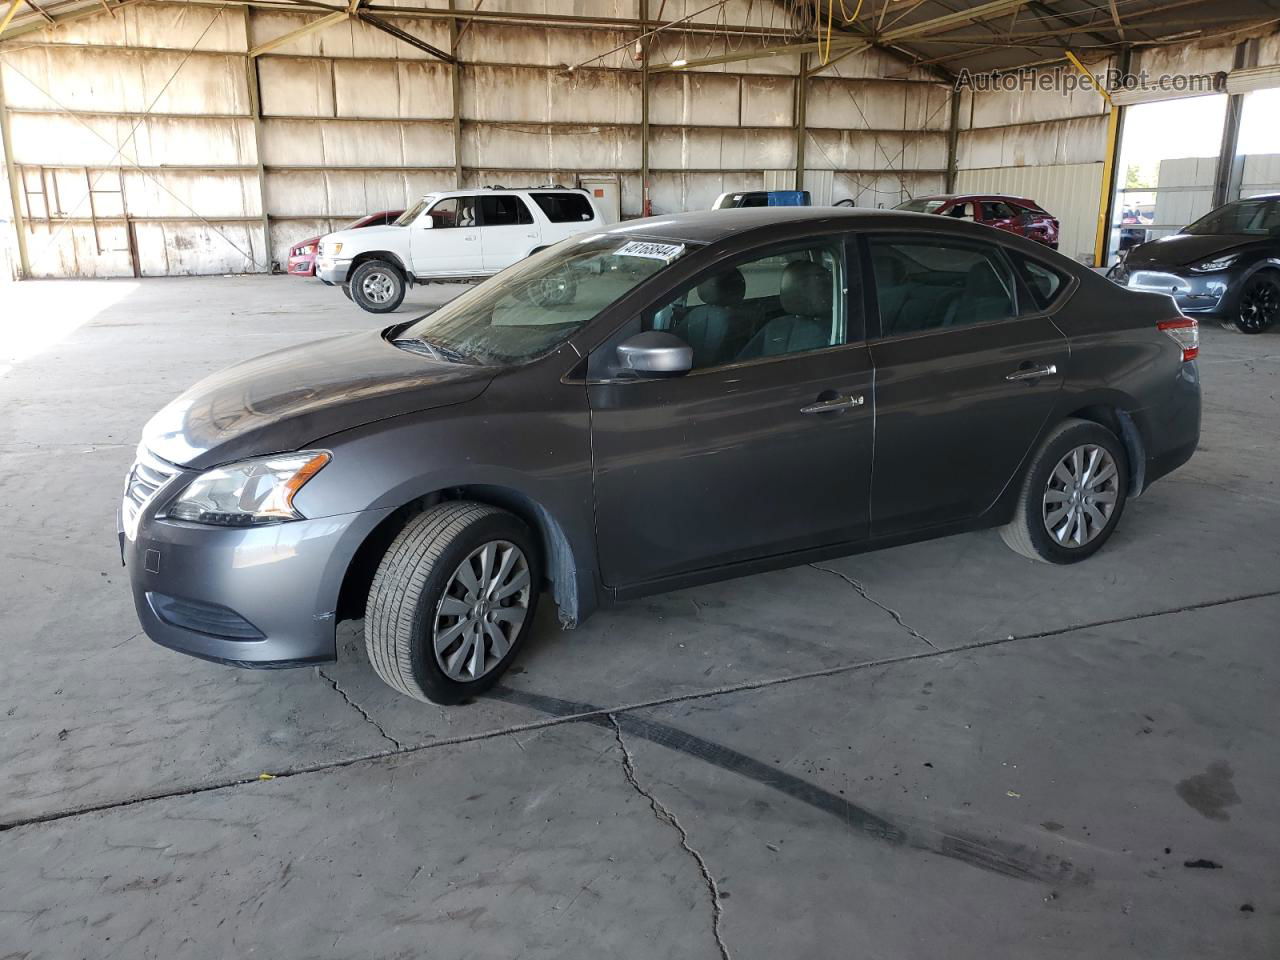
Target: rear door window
[(454, 212), (997, 210), (503, 210), (564, 207), (924, 284)]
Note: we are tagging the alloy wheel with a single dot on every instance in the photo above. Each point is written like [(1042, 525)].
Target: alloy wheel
[(378, 287), (481, 611), (1081, 495), (1259, 305)]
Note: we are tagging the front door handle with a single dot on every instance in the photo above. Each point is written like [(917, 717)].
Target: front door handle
[(834, 405), (1034, 373)]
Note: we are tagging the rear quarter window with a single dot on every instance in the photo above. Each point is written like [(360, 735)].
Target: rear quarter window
[(1045, 283), (564, 207)]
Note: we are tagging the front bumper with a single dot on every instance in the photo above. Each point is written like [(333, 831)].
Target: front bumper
[(250, 596), (1193, 293), (302, 266), (331, 270)]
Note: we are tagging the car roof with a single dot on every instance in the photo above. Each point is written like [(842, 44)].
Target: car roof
[(709, 226), (472, 191), (974, 196)]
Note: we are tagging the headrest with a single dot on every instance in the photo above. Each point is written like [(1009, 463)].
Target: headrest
[(806, 289), (889, 270), (983, 282), (723, 289)]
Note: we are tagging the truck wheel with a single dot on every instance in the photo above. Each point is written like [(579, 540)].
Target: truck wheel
[(1072, 496), (346, 290), (452, 600), (377, 286)]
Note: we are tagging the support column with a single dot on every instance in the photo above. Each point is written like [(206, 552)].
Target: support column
[(801, 128), (1226, 179), (1115, 120), (644, 112), (255, 111), (15, 186), (953, 141), (455, 83)]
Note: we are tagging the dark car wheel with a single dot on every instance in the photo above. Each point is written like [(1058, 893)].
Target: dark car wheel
[(1259, 303), (452, 600), (346, 290), (1072, 496), (377, 286)]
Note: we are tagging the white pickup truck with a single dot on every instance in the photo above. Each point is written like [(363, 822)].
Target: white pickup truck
[(458, 234)]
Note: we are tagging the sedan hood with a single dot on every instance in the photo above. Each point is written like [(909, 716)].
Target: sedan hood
[(1183, 249), (284, 400)]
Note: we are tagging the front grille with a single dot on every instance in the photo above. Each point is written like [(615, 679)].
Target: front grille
[(208, 618), (147, 477)]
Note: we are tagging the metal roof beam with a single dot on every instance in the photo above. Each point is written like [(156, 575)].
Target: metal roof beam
[(950, 21)]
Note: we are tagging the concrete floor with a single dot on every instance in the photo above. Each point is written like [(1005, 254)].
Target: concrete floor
[(941, 750)]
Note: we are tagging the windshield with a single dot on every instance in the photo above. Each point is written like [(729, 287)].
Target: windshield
[(411, 214), (1258, 218), (532, 307), (921, 205)]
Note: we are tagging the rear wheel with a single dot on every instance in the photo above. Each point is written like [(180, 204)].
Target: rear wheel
[(1259, 303), (452, 600), (1072, 496), (377, 286)]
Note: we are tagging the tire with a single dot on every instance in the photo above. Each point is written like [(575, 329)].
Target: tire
[(1258, 306), (346, 290), (1029, 532), (418, 575), (377, 286)]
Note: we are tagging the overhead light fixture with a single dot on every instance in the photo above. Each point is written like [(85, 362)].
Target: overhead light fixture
[(679, 63)]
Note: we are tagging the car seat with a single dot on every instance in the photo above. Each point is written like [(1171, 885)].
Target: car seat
[(712, 327), (805, 295), (984, 298)]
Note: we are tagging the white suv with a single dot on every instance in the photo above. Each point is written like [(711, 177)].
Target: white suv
[(457, 234)]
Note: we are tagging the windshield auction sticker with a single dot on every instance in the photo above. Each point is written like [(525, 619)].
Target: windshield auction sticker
[(666, 252)]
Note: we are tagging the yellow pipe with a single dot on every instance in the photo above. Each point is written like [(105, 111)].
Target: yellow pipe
[(1108, 161), (13, 8), (1108, 164)]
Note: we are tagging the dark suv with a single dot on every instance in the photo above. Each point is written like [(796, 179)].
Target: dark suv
[(661, 404)]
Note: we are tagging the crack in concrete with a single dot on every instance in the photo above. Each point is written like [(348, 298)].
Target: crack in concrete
[(359, 709), (862, 591), (324, 766), (664, 815)]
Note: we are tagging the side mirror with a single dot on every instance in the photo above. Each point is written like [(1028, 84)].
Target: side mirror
[(426, 221), (655, 353)]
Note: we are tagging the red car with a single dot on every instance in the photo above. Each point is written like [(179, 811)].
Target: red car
[(302, 255), (1015, 214)]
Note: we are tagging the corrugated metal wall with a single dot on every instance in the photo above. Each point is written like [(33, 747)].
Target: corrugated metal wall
[(1067, 190), (138, 146), (1038, 144)]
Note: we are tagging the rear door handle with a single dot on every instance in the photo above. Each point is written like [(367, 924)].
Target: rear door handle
[(1034, 373), (834, 405)]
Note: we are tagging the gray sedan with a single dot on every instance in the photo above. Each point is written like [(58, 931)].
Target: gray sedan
[(662, 404)]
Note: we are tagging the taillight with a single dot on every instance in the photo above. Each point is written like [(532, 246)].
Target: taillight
[(1185, 333)]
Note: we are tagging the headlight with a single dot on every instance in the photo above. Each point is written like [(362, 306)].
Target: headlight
[(250, 492), (1221, 263)]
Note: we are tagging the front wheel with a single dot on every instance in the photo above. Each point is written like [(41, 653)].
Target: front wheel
[(377, 286), (1259, 303), (346, 290), (452, 600), (1072, 496)]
